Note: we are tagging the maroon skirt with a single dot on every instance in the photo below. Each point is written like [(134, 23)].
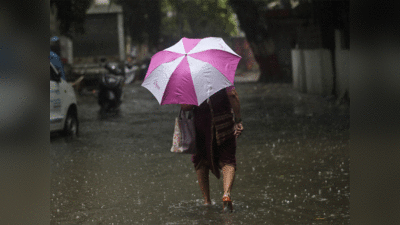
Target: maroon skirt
[(210, 151)]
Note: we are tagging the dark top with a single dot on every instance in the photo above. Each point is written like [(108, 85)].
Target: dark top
[(215, 138)]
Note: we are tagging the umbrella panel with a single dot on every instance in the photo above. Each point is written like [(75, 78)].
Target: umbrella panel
[(224, 62), (180, 89), (207, 80), (158, 79)]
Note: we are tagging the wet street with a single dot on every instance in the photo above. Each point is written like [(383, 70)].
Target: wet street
[(293, 164)]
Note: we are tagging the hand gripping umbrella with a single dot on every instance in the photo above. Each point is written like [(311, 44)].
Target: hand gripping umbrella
[(191, 71)]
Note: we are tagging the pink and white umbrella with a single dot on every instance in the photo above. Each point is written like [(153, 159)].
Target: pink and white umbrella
[(191, 71)]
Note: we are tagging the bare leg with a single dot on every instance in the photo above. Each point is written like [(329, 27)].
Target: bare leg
[(203, 178), (228, 172)]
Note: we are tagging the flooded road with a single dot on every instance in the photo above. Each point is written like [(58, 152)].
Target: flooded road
[(293, 164)]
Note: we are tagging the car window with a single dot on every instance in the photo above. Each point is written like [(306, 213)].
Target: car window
[(53, 74)]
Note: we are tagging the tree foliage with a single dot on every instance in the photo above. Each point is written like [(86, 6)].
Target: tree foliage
[(149, 21), (197, 19)]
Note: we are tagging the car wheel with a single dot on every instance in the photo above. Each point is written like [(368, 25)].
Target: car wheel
[(71, 125)]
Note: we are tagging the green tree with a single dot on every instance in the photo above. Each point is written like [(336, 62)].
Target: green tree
[(197, 19), (169, 20), (149, 21)]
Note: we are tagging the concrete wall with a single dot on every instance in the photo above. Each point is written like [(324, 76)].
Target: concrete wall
[(298, 70), (319, 73), (312, 71), (342, 66)]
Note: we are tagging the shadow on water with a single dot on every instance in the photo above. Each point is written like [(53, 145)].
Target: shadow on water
[(293, 165)]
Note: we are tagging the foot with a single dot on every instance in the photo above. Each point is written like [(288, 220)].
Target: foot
[(226, 197), (227, 203)]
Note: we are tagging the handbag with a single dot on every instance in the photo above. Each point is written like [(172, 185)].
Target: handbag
[(184, 139)]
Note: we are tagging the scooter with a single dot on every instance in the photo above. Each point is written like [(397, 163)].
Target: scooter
[(110, 90)]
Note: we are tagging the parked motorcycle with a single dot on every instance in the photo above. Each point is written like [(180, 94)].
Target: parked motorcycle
[(110, 89)]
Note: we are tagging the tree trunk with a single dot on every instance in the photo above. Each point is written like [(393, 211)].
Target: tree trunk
[(257, 35), (154, 23)]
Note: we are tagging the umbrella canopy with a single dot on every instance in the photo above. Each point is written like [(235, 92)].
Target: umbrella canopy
[(191, 71)]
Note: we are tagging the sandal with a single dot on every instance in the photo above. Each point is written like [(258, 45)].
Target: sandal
[(227, 203)]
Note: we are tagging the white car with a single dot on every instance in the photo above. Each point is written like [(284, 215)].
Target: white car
[(63, 105)]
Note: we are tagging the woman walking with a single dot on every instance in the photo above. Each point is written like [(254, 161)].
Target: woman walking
[(218, 123)]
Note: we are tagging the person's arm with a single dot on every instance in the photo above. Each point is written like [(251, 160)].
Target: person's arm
[(234, 100)]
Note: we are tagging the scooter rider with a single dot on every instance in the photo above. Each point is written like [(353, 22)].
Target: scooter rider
[(117, 77)]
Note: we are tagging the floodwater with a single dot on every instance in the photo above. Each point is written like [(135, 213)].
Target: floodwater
[(293, 164)]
